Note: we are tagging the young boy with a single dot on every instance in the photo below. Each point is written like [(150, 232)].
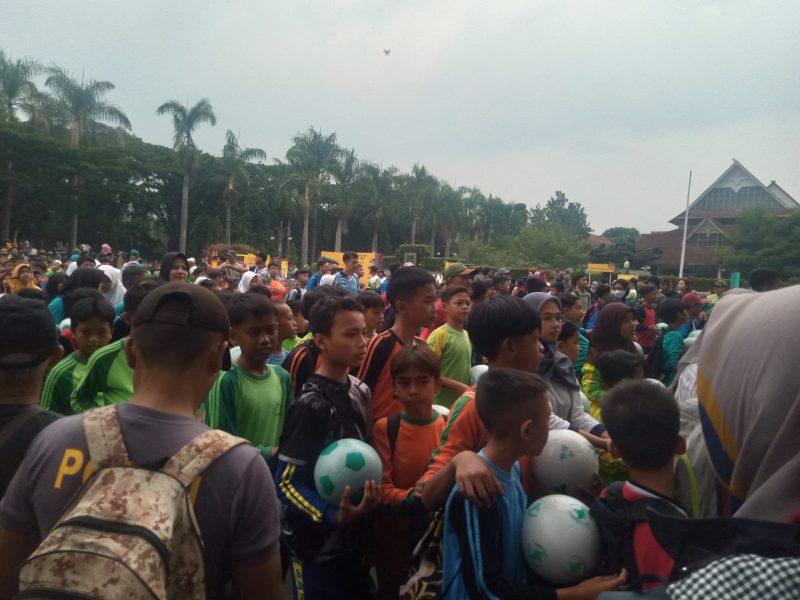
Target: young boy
[(108, 378), (28, 347), (617, 366), (287, 330), (404, 442), (673, 313), (324, 541), (412, 295), (482, 547), (646, 330), (569, 343), (643, 421), (251, 399), (300, 325), (374, 308), (572, 313), (451, 344), (92, 320)]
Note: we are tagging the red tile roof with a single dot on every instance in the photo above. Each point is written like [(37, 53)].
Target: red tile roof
[(670, 244)]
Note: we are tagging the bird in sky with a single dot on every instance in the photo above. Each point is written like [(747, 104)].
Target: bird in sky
[(387, 52)]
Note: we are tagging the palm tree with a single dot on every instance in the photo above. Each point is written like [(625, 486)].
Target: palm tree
[(419, 188), (381, 196), (345, 170), (84, 106), (16, 88), (235, 159), (310, 159), (186, 120)]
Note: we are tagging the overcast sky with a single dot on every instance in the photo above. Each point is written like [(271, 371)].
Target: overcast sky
[(612, 102)]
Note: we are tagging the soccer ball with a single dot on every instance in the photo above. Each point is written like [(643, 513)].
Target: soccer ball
[(567, 463), (346, 462), (476, 372), (560, 539), (442, 410), (655, 382)]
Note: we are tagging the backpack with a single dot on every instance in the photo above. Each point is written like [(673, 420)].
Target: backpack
[(129, 532), (654, 361), (616, 520)]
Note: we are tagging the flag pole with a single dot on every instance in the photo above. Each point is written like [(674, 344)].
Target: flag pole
[(685, 225)]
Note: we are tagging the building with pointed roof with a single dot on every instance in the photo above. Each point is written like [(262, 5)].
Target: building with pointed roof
[(711, 217)]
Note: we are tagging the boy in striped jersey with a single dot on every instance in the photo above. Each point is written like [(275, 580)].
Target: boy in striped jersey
[(91, 320), (325, 541)]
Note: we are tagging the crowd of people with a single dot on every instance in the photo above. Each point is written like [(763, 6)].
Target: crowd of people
[(111, 367)]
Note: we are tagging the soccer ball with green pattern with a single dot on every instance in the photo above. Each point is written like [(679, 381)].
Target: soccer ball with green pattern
[(567, 464), (560, 540), (346, 462)]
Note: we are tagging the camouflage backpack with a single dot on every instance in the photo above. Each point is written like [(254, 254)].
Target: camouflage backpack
[(129, 532)]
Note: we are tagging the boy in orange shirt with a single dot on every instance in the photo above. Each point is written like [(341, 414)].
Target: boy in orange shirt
[(412, 294), (404, 441)]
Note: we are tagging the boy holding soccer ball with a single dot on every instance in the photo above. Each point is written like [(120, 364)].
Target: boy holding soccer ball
[(324, 541), (482, 549)]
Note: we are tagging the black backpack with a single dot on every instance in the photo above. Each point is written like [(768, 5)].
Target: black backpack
[(654, 361), (616, 520)]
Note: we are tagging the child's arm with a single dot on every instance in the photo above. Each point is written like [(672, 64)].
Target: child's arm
[(583, 421), (391, 495), (594, 387), (470, 473)]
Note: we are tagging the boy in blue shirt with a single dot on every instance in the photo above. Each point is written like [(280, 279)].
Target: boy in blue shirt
[(482, 551)]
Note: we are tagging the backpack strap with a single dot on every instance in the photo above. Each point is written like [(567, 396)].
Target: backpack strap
[(393, 430), (198, 454), (17, 421), (104, 438)]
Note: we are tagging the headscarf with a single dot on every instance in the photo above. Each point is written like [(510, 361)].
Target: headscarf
[(117, 291), (748, 385), (166, 263), (605, 336), (553, 365), (15, 285), (244, 282)]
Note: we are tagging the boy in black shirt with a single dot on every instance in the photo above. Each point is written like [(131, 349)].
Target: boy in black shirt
[(325, 541)]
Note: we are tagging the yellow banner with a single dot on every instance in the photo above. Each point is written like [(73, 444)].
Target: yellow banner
[(600, 268)]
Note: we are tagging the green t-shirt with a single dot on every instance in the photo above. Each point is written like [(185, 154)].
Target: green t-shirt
[(60, 383), (108, 379), (455, 351), (250, 406), (290, 345)]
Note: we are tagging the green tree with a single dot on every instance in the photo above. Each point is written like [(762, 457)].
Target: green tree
[(84, 106), (345, 170), (310, 159), (185, 120), (235, 158), (561, 211), (418, 189), (764, 239)]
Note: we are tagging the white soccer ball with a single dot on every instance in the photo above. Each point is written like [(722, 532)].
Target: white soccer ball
[(567, 463), (655, 382), (442, 410), (476, 372), (639, 348), (346, 462), (560, 539)]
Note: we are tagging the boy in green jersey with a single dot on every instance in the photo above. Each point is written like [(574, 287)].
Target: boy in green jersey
[(108, 378), (251, 399), (451, 344), (91, 320)]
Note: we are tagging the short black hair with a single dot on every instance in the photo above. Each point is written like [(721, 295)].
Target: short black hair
[(214, 273), (273, 264), (420, 356), (318, 293), (90, 308), (656, 281), (559, 287), (670, 309), (394, 267), (576, 277), (242, 307), (209, 284), (132, 271), (84, 258), (79, 294), (449, 292), (349, 256), (648, 289), (568, 300), (301, 271), (321, 262), (644, 421), (761, 278), (501, 393), (478, 288), (499, 279), (406, 281), (535, 284), (32, 293), (134, 296), (325, 310), (370, 299), (602, 290), (568, 329), (498, 319), (616, 365), (296, 306)]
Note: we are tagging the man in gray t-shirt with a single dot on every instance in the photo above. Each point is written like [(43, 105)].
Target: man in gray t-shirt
[(176, 349)]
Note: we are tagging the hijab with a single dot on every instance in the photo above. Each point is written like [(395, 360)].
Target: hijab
[(117, 291), (245, 281), (16, 285), (553, 365), (167, 261), (605, 335), (748, 387)]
